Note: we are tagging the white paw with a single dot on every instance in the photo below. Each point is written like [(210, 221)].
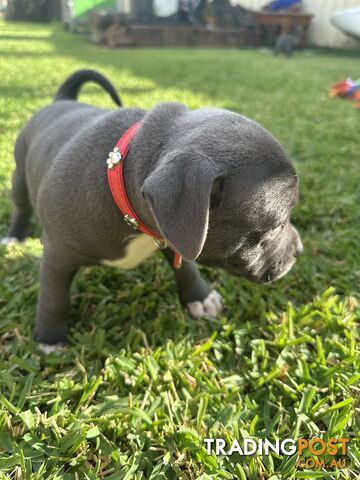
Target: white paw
[(47, 349), (211, 306), (9, 241)]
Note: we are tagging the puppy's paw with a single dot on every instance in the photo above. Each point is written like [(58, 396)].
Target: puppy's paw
[(211, 306), (50, 338), (9, 241), (57, 348)]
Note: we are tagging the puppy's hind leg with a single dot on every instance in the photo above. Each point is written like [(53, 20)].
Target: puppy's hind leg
[(22, 208)]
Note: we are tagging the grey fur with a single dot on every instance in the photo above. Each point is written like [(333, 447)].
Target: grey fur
[(183, 168)]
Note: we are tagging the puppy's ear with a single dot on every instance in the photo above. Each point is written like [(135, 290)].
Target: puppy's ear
[(178, 192)]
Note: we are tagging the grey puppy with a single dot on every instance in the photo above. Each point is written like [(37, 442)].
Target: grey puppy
[(216, 185), (286, 43)]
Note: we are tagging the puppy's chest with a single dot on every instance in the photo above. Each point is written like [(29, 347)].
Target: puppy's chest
[(138, 248)]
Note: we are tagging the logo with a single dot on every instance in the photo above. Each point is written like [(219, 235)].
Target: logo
[(312, 453)]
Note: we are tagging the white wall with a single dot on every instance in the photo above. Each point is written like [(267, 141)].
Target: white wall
[(321, 32), (124, 6)]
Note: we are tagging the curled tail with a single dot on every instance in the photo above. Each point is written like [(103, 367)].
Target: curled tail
[(70, 88)]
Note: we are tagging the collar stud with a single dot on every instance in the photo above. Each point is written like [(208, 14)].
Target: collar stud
[(114, 158), (131, 221)]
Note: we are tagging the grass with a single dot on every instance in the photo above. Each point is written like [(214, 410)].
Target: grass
[(141, 384)]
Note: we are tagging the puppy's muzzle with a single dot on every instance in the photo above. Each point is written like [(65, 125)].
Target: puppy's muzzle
[(281, 267)]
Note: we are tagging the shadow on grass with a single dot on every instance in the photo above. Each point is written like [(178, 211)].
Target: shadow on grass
[(26, 92), (339, 52), (25, 54), (24, 37)]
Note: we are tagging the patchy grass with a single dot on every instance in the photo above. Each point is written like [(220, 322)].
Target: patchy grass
[(141, 384)]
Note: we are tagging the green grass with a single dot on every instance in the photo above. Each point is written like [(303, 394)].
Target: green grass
[(142, 384)]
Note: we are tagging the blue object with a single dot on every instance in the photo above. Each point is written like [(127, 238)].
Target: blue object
[(283, 4)]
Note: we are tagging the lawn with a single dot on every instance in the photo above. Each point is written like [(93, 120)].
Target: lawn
[(142, 384)]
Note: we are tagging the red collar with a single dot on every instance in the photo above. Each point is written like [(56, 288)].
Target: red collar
[(115, 164)]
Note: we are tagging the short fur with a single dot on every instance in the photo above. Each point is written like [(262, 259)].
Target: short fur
[(215, 184)]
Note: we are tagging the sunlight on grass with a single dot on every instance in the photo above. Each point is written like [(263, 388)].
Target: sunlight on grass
[(31, 246)]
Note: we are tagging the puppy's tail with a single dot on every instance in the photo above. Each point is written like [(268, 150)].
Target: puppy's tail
[(70, 88)]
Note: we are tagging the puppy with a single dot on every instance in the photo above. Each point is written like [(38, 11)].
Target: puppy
[(287, 42), (214, 185)]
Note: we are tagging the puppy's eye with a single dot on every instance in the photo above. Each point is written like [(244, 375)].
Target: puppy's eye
[(255, 237)]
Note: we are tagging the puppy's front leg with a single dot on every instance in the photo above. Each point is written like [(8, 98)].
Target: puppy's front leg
[(193, 290), (51, 327)]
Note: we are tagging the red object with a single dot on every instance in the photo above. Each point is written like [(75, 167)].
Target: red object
[(341, 89), (348, 89), (115, 164)]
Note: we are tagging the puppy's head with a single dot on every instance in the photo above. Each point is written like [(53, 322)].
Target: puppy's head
[(222, 192)]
